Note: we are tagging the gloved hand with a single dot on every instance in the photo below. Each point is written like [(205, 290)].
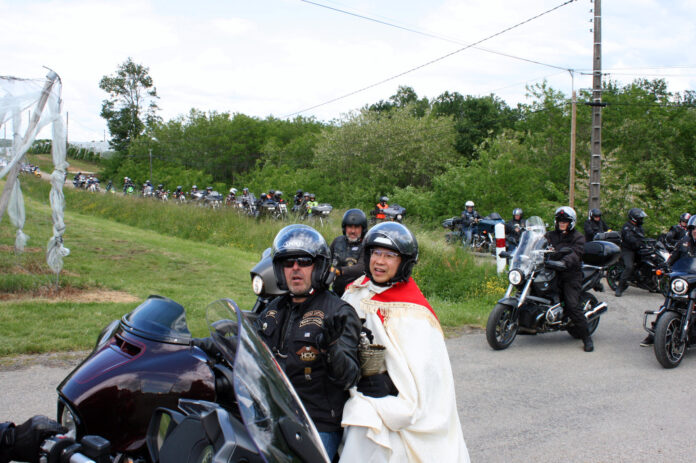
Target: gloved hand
[(333, 329), (379, 385), (555, 265), (29, 436)]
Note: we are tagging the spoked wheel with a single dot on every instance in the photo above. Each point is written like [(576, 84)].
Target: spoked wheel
[(587, 302), (614, 275), (668, 350), (501, 329)]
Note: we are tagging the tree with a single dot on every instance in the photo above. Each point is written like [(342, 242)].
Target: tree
[(131, 106)]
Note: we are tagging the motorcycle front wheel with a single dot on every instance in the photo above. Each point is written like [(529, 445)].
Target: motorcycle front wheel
[(614, 275), (668, 350), (501, 329)]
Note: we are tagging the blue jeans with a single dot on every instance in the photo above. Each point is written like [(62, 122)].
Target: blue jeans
[(331, 441), (467, 232)]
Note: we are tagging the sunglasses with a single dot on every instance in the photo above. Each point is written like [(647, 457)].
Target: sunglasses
[(301, 261), (379, 253)]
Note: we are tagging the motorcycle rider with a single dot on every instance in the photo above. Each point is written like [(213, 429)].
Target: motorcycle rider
[(231, 197), (311, 203), (514, 228), (312, 333), (23, 442), (469, 218), (278, 197), (297, 200), (632, 237), (348, 262), (564, 235), (677, 232), (686, 247), (409, 412), (382, 204), (594, 224)]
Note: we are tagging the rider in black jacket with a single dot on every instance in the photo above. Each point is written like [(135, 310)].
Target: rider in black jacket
[(348, 259), (313, 334), (570, 280), (677, 232), (514, 228), (594, 224), (632, 237)]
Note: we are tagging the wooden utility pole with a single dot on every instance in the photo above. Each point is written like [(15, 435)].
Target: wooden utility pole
[(596, 141), (571, 191)]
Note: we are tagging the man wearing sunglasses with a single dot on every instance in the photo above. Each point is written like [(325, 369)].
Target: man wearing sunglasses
[(311, 331)]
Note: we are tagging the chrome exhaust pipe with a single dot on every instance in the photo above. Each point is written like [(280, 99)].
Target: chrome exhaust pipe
[(596, 311)]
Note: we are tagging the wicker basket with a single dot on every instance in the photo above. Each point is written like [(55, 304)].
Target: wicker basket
[(372, 359)]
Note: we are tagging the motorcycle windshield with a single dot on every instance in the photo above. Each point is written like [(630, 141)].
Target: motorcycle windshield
[(159, 319), (265, 397), (685, 265), (529, 252)]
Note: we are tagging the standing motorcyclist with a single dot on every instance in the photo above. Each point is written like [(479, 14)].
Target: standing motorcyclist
[(311, 203), (677, 232), (570, 280), (312, 333), (470, 217), (632, 237), (382, 204), (348, 263), (514, 228), (594, 224), (23, 442)]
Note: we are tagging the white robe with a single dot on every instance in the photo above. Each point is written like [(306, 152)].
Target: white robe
[(421, 424)]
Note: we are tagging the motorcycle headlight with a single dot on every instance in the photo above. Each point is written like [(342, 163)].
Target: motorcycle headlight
[(515, 277), (257, 284), (679, 286), (399, 216), (67, 419)]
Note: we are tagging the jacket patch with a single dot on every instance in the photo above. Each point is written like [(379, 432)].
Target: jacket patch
[(307, 353), (313, 317), (271, 314)]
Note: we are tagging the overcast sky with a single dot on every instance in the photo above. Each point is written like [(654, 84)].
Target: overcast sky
[(278, 57)]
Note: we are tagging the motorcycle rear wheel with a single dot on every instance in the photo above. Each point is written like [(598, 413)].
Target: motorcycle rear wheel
[(591, 326), (614, 275), (501, 330), (668, 351)]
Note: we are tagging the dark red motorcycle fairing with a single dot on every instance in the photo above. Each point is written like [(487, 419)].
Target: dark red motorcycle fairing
[(114, 392)]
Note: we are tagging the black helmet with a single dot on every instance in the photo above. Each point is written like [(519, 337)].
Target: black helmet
[(684, 217), (595, 213), (394, 236), (517, 211), (355, 217), (160, 186), (302, 240), (567, 214), (271, 192), (692, 222), (299, 193), (637, 215), (384, 199)]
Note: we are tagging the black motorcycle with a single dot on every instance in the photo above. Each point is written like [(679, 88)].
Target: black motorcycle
[(393, 213), (533, 303), (672, 324), (650, 258)]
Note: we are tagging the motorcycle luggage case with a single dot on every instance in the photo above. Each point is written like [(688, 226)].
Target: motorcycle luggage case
[(611, 236), (601, 253)]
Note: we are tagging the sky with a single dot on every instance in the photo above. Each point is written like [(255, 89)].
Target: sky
[(282, 57)]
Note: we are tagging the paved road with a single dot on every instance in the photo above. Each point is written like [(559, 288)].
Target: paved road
[(541, 400)]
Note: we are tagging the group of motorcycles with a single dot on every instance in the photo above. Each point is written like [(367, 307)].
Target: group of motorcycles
[(482, 236), (532, 303), (86, 182)]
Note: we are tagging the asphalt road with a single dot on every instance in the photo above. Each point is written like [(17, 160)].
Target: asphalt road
[(543, 399)]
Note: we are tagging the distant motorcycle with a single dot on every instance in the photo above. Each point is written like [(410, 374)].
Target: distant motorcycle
[(672, 324), (393, 213), (532, 303), (483, 236), (650, 258)]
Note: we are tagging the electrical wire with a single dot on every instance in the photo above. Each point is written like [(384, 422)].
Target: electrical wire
[(431, 61)]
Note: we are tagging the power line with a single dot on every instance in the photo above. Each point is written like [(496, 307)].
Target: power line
[(434, 36), (432, 61)]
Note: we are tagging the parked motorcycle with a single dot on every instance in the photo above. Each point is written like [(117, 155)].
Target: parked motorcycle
[(393, 213), (158, 394), (672, 324), (532, 303), (483, 236), (650, 258)]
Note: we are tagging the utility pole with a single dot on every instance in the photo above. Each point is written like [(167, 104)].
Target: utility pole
[(150, 164), (596, 140), (571, 192)]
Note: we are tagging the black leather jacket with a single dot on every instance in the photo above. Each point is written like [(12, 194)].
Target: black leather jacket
[(592, 227), (349, 259), (685, 248), (573, 240), (632, 236), (675, 234), (468, 218), (321, 378)]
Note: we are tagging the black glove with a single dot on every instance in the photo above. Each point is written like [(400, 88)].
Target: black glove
[(379, 385), (30, 435), (333, 329), (555, 265)]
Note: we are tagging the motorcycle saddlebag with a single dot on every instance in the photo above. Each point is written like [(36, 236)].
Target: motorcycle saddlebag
[(601, 253), (611, 236)]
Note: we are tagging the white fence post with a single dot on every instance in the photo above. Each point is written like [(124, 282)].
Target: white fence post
[(500, 246)]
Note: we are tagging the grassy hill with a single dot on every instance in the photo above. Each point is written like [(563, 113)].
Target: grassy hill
[(124, 249)]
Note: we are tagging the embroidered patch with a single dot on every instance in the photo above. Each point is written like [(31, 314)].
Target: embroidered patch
[(313, 317), (271, 314), (307, 353)]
